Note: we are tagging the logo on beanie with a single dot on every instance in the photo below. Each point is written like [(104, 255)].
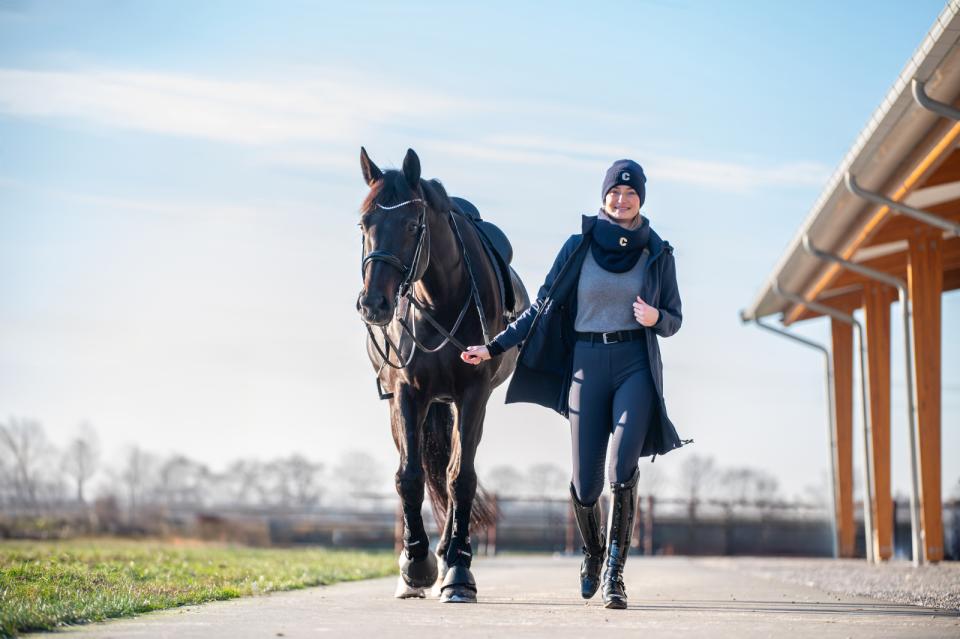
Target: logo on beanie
[(625, 176), (623, 241)]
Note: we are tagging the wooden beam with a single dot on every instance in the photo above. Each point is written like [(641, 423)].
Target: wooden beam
[(925, 280), (948, 171), (876, 309), (896, 263), (951, 279), (900, 227), (846, 302), (842, 354)]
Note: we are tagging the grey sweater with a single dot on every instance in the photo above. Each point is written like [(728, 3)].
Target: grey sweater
[(605, 300)]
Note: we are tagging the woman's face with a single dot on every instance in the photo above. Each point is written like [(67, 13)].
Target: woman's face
[(622, 203)]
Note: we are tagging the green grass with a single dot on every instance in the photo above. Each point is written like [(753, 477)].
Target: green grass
[(48, 584)]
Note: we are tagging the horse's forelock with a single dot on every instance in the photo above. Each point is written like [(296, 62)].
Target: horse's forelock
[(389, 189)]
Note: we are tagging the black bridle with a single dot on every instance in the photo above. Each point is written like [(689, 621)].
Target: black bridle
[(405, 297), (410, 273)]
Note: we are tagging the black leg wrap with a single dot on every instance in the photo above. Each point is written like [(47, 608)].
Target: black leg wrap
[(459, 552), (591, 529), (623, 506), (416, 545), (415, 540)]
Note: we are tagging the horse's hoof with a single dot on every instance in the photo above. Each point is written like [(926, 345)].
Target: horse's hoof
[(418, 573), (458, 594), (404, 591), (458, 586)]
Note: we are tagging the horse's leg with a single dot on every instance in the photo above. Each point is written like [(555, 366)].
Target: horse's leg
[(458, 584), (442, 546), (418, 566)]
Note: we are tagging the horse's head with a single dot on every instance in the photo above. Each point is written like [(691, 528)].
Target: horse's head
[(396, 241)]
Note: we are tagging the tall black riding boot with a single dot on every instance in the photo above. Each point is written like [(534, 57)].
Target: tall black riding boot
[(623, 505), (591, 529)]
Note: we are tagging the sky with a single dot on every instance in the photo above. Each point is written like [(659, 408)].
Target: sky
[(180, 182)]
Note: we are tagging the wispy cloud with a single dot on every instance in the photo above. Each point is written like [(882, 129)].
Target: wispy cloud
[(286, 119), (322, 108), (726, 175)]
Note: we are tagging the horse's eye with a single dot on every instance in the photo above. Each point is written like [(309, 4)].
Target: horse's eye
[(412, 227)]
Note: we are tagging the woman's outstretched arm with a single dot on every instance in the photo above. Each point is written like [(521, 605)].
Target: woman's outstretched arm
[(517, 331)]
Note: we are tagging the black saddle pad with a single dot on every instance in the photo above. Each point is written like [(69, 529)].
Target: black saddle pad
[(498, 250), (498, 239)]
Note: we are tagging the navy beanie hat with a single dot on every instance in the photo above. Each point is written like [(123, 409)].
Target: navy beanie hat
[(625, 172)]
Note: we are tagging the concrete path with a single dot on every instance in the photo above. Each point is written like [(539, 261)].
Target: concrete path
[(538, 597)]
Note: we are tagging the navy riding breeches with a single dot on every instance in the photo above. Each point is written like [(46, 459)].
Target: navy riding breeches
[(611, 397)]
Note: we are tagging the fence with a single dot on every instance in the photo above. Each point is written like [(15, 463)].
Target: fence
[(523, 524)]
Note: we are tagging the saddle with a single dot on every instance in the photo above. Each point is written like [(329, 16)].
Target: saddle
[(500, 253)]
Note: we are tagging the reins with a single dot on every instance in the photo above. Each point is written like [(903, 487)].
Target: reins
[(406, 298)]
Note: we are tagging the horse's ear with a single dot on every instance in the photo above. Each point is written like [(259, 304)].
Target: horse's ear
[(411, 169), (371, 172)]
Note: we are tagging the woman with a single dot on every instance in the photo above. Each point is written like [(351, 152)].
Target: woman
[(590, 352)]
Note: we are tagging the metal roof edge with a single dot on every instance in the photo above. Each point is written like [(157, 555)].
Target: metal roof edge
[(945, 29)]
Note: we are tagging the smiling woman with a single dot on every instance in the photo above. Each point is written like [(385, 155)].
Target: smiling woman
[(596, 360)]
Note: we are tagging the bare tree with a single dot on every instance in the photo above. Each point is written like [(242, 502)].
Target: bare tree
[(547, 479), (652, 480), (695, 474), (305, 480), (182, 481), (244, 482), (81, 457), (26, 444), (736, 484), (359, 472), (505, 480), (136, 475)]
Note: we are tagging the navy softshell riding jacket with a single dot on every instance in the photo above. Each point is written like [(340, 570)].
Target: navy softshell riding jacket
[(546, 335)]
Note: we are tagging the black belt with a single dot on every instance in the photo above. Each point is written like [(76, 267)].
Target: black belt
[(613, 337)]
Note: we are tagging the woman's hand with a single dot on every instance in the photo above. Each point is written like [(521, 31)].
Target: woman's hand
[(475, 354), (644, 313)]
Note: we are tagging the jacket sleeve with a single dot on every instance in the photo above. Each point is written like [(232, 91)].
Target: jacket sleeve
[(517, 330), (670, 315)]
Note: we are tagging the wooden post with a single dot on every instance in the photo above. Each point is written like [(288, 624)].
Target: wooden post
[(635, 534), (648, 527), (843, 396), (398, 530), (491, 546), (925, 280), (876, 309)]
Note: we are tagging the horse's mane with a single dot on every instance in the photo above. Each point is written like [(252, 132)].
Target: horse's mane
[(393, 188)]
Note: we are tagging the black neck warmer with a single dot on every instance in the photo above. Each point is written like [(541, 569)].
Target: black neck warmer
[(617, 249)]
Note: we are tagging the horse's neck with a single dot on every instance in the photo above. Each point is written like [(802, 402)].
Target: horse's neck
[(446, 275)]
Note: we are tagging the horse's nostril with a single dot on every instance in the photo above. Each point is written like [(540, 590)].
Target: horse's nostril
[(374, 305)]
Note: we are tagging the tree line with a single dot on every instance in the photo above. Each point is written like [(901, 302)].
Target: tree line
[(36, 474)]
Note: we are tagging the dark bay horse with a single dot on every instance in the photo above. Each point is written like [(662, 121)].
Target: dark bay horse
[(426, 282)]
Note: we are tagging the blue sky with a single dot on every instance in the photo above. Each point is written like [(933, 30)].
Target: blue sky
[(179, 185)]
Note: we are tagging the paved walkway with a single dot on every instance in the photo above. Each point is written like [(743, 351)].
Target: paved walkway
[(538, 597)]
